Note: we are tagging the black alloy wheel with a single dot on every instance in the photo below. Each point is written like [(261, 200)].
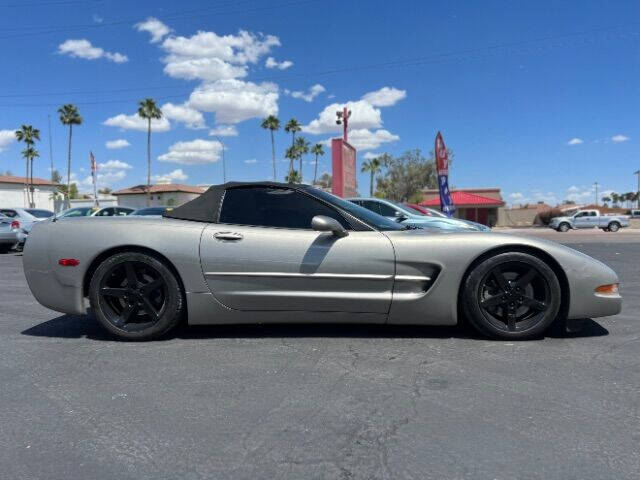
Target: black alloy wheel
[(136, 296), (512, 295)]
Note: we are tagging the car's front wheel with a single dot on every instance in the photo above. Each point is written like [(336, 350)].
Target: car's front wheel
[(136, 296), (511, 296), (563, 227)]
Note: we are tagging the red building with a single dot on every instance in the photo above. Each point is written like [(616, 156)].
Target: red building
[(477, 204)]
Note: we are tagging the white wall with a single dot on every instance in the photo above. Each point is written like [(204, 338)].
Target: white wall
[(103, 200), (137, 200), (14, 195)]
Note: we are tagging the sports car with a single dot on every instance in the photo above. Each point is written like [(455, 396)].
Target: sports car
[(265, 252)]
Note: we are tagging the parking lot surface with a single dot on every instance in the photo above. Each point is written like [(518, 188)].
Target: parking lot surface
[(320, 401)]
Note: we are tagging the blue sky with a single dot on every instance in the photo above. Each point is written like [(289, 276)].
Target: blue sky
[(538, 98)]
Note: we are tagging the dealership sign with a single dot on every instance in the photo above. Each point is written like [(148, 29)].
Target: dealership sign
[(343, 159), (442, 169)]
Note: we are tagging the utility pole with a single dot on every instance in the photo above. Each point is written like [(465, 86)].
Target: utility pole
[(50, 147), (224, 166), (637, 172), (596, 184)]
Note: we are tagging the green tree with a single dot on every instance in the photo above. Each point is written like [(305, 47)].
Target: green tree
[(405, 176), (291, 154), (29, 135), (325, 180), (105, 191), (372, 166), (293, 177), (317, 150), (69, 116), (605, 200), (292, 127), (148, 109), (272, 123), (302, 145)]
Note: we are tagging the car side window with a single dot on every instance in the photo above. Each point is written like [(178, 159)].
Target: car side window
[(273, 207), (107, 212), (9, 213), (386, 210), (371, 205)]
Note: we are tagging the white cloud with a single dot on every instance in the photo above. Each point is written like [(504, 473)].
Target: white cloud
[(619, 138), (251, 161), (234, 101), (155, 27), (210, 57), (106, 179), (515, 196), (135, 122), (224, 131), (313, 92), (82, 48), (114, 165), (364, 139), (272, 63), (175, 176), (7, 137), (364, 115), (195, 152), (385, 97), (371, 155), (97, 18), (115, 144), (575, 141), (183, 113)]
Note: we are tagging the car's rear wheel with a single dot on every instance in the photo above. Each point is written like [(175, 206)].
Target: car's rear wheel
[(5, 247), (511, 296), (136, 296), (614, 226), (563, 227)]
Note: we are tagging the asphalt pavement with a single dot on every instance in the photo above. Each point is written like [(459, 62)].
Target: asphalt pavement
[(320, 401)]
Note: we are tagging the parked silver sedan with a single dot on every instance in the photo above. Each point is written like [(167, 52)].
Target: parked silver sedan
[(8, 233), (23, 220), (268, 252)]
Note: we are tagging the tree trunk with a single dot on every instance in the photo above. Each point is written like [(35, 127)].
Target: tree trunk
[(26, 180), (32, 203), (273, 155), (315, 170), (149, 163), (371, 185), (300, 172), (68, 194)]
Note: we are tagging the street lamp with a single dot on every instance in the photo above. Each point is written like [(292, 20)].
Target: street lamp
[(596, 184), (637, 172)]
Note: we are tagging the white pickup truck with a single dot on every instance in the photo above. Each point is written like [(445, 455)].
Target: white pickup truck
[(590, 219)]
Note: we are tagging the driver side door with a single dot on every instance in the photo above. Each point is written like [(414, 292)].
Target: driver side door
[(263, 255)]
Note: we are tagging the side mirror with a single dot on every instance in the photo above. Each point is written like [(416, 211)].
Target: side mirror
[(321, 223), (400, 217)]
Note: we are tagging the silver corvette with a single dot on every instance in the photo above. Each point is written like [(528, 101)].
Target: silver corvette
[(268, 252)]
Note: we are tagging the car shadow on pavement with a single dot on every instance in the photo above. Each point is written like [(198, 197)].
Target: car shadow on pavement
[(79, 326)]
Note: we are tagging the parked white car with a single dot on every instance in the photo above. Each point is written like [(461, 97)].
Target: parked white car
[(96, 212), (23, 220), (590, 219), (8, 234)]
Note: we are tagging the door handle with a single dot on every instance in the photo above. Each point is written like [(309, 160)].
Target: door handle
[(232, 236)]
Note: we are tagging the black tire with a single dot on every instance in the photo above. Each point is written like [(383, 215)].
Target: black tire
[(614, 227), (564, 227), (513, 296), (5, 247), (136, 296)]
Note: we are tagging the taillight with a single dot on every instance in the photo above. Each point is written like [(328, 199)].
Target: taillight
[(15, 225)]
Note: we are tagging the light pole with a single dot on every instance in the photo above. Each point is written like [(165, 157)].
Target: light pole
[(596, 184), (637, 172), (224, 166)]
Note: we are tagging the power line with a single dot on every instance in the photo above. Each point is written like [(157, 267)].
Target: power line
[(407, 62), (183, 15)]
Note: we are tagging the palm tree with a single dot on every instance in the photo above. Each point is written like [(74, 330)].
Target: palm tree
[(29, 153), (373, 167), (28, 135), (69, 116), (316, 150), (605, 200), (272, 123), (292, 154), (293, 177), (303, 148), (149, 110), (292, 127)]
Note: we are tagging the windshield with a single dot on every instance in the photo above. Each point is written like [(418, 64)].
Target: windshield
[(150, 211), (377, 221), (36, 212), (77, 212)]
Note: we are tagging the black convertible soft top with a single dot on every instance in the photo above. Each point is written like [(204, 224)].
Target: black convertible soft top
[(206, 207)]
